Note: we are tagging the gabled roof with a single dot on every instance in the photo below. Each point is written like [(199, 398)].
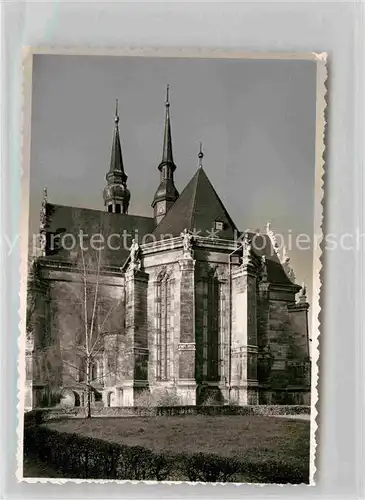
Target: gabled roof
[(63, 220), (197, 209)]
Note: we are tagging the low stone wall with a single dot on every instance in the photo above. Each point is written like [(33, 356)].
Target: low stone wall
[(43, 414)]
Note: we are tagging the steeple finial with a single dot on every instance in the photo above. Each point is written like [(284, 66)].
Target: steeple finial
[(116, 118), (200, 155), (167, 102), (167, 156), (116, 160)]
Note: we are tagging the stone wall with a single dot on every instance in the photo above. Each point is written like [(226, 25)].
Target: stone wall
[(59, 329), (284, 368)]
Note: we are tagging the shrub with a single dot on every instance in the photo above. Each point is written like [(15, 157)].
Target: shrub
[(211, 400), (166, 397), (84, 457), (159, 397), (200, 467), (144, 399)]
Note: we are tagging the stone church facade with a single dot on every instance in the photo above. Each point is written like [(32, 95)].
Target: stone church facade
[(205, 311)]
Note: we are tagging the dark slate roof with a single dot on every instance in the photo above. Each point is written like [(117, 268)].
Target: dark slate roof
[(197, 208), (261, 245), (62, 220)]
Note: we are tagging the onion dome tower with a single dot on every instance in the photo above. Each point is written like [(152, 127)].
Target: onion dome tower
[(116, 195), (166, 193)]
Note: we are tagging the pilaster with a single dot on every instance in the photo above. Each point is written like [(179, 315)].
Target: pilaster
[(136, 329), (244, 384), (186, 385)]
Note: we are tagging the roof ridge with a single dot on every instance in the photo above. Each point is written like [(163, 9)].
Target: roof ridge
[(98, 210), (192, 217)]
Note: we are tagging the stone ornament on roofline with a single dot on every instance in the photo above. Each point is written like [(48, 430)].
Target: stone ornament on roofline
[(43, 223), (285, 262), (247, 256), (273, 239), (187, 239), (302, 295), (134, 253), (264, 277)]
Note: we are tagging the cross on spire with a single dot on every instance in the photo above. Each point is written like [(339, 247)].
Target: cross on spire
[(167, 156), (167, 102), (116, 118), (201, 155)]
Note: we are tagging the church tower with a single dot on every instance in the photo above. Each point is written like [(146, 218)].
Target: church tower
[(166, 193), (116, 195)]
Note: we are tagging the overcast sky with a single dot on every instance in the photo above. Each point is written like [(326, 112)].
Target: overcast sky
[(256, 119)]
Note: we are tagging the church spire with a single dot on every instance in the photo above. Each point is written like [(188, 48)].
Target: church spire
[(166, 193), (116, 194), (167, 156), (116, 159)]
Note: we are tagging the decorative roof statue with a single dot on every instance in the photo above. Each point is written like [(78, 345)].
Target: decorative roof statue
[(272, 237), (291, 275), (246, 244), (303, 295), (286, 258), (246, 250), (285, 261), (134, 253), (187, 243), (263, 269)]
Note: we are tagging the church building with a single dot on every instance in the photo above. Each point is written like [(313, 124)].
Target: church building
[(180, 301)]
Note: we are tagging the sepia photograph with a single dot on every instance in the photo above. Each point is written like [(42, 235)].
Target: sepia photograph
[(171, 268)]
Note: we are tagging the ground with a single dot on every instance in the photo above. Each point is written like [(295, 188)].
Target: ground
[(256, 438)]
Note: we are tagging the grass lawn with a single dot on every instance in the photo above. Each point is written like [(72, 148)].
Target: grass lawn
[(255, 438)]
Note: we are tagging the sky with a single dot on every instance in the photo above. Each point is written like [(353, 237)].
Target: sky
[(255, 118)]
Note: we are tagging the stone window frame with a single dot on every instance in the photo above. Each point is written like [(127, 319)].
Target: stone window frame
[(164, 306), (208, 278)]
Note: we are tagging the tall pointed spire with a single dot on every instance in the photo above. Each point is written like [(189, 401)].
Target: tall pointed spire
[(116, 194), (166, 193), (116, 159), (167, 156)]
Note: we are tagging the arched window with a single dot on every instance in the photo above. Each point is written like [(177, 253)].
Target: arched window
[(164, 325)]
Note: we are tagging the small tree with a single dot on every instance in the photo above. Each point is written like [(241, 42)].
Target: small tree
[(93, 315)]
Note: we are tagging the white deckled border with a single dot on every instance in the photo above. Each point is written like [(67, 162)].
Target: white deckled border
[(27, 62), (321, 105)]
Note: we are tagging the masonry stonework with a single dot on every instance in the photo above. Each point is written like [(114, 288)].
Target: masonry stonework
[(188, 305)]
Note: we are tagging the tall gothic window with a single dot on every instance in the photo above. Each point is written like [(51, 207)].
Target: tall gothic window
[(164, 325), (212, 329)]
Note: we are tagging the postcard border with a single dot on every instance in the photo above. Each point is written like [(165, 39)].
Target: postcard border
[(321, 104)]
